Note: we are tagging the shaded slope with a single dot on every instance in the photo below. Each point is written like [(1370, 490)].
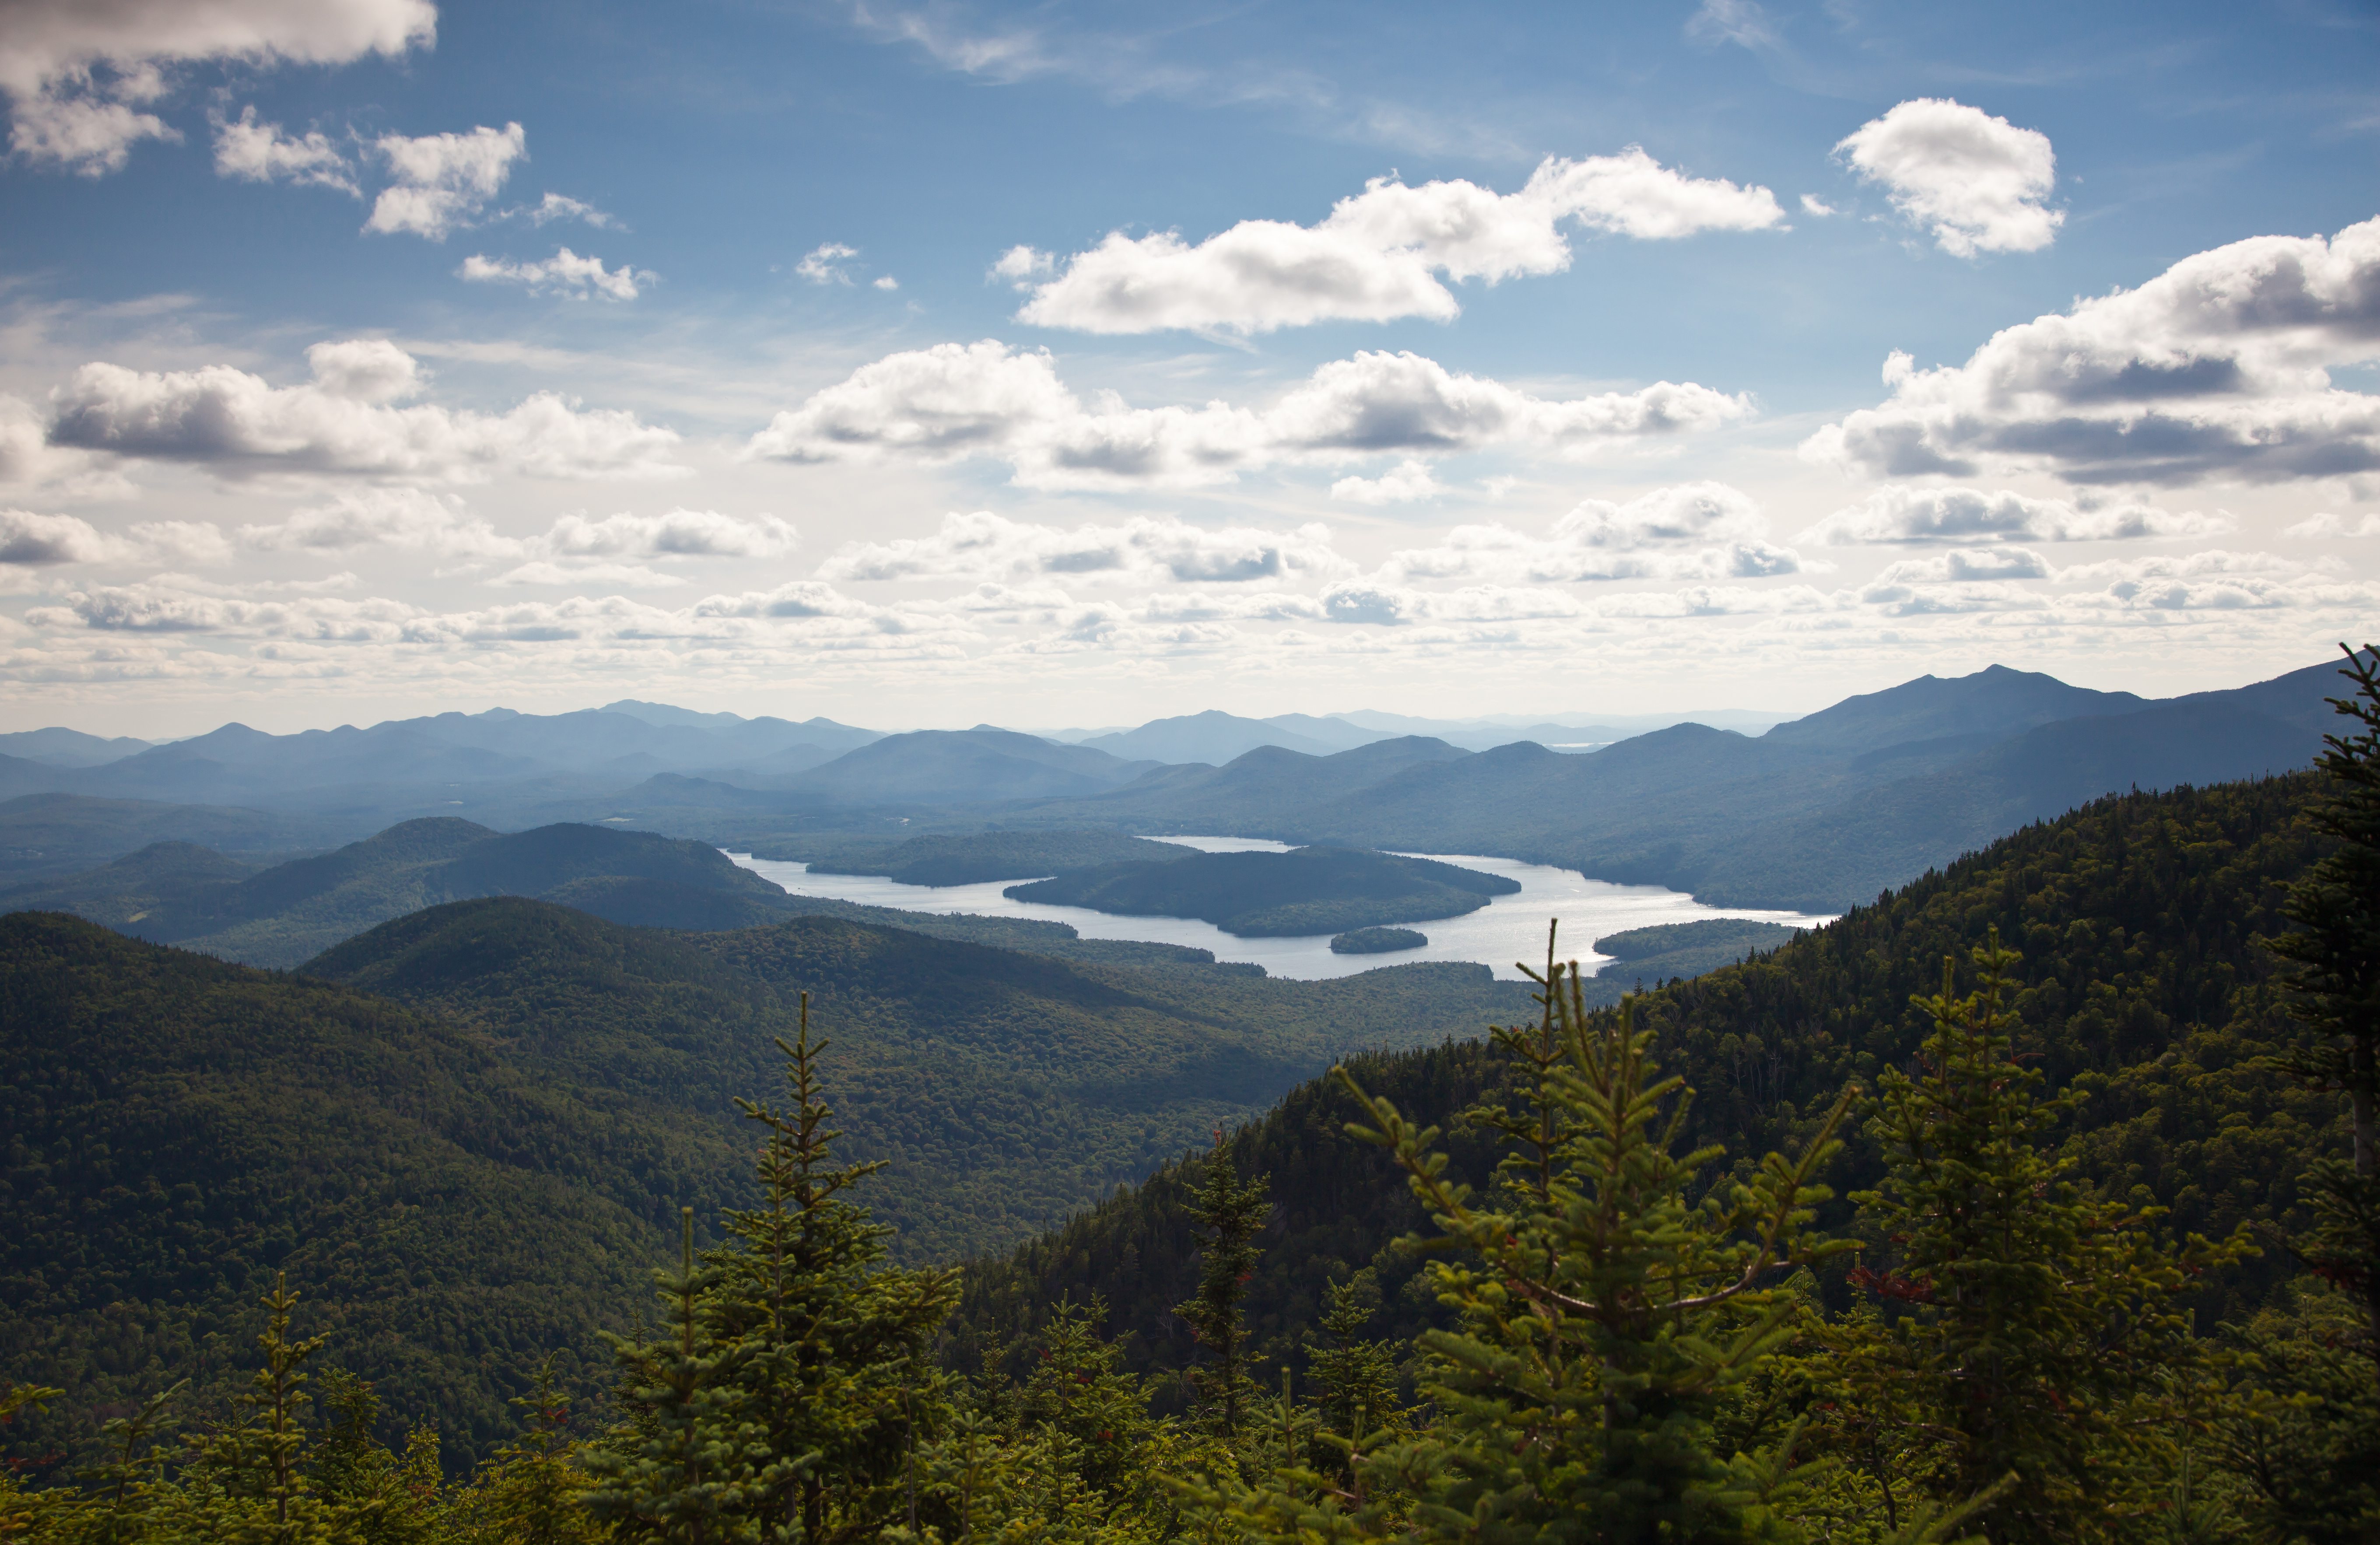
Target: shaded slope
[(2141, 988), (180, 1129), (292, 911), (1004, 1086), (61, 834)]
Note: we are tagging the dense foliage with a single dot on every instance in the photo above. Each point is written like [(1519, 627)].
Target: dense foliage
[(470, 1165), (1377, 941), (1655, 955), (1308, 890), (2141, 988)]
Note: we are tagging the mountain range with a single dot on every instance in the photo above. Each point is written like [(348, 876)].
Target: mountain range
[(1814, 814)]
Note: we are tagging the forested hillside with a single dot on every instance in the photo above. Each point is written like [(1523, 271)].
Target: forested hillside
[(178, 1130), (1308, 889), (2141, 988), (466, 1133), (281, 916), (1004, 1086)]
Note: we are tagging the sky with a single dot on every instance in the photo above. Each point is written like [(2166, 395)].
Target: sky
[(1079, 364)]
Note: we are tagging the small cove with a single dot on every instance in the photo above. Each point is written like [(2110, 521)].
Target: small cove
[(1506, 930)]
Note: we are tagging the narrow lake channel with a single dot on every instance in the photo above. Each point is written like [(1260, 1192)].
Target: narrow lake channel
[(1499, 935)]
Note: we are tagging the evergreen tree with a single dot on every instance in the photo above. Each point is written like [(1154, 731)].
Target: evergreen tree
[(2335, 950), (2037, 1329), (1358, 1377), (1604, 1311), (672, 1471), (829, 1344), (531, 1492), (1231, 1214)]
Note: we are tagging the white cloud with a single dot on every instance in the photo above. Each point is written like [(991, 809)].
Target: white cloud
[(1020, 266), (409, 519), (635, 576), (1976, 182), (1814, 205), (824, 265), (953, 401), (1404, 484), (1378, 255), (1967, 565), (345, 421), (2207, 564), (34, 541), (2333, 526), (1898, 513), (1370, 600), (75, 71), (565, 273), (1144, 550), (1691, 531), (886, 282), (573, 550), (2218, 368), (558, 206), (2240, 594), (28, 460), (39, 541), (257, 152), (442, 180), (679, 533)]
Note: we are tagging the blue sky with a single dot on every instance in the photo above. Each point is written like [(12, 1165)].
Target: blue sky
[(1070, 364)]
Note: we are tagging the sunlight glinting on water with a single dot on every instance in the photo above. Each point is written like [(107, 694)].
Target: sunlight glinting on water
[(1499, 935)]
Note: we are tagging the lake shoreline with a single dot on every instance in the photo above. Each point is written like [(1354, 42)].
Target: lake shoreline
[(1511, 928)]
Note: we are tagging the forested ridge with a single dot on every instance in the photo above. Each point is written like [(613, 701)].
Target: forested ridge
[(2022, 1205), (2141, 985)]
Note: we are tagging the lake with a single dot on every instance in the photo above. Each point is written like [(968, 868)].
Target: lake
[(1501, 934)]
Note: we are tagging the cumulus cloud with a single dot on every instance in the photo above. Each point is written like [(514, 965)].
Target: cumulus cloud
[(29, 540), (409, 519), (1379, 254), (1967, 565), (255, 152), (824, 265), (1978, 183), (346, 419), (2218, 368), (76, 74), (442, 180), (953, 401), (574, 549), (565, 273), (678, 534), (1144, 550), (2331, 526), (1703, 530), (1406, 481), (28, 460), (1899, 514), (1021, 265)]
